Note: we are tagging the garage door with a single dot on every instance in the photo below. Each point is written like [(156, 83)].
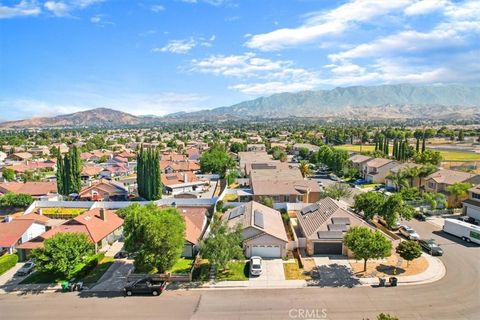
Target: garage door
[(327, 248), (474, 213), (266, 251)]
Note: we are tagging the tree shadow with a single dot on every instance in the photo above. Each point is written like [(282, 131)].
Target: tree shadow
[(333, 275), (390, 270)]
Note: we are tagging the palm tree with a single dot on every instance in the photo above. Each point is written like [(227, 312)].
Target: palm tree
[(412, 173), (459, 190), (399, 179), (305, 169), (425, 171)]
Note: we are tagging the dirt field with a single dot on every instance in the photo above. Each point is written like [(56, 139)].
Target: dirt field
[(386, 267)]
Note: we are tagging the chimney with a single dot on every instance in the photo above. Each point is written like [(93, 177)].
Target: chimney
[(102, 214), (185, 177), (40, 211), (8, 219)]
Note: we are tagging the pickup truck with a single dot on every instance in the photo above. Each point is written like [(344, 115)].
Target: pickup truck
[(145, 286)]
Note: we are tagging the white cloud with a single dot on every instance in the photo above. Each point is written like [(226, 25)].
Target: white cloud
[(157, 8), (425, 6), (211, 2), (320, 24), (185, 45), (61, 8), (58, 8), (23, 8), (265, 76)]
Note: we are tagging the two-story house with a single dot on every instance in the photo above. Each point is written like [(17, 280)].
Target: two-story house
[(359, 162), (471, 206), (439, 182), (378, 169)]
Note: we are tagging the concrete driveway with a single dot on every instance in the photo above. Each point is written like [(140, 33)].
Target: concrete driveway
[(9, 277), (272, 271), (333, 271), (116, 276)]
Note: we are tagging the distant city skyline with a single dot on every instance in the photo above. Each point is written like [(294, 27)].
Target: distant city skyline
[(160, 57)]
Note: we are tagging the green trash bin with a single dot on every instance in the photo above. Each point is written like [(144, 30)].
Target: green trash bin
[(65, 286)]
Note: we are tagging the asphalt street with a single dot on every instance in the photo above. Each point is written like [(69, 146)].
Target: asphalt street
[(456, 296)]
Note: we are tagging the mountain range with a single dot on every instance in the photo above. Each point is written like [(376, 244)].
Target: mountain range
[(401, 101)]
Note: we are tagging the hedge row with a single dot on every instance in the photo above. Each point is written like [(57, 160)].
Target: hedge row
[(7, 262)]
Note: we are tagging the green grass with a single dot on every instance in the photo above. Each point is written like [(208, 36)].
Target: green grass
[(82, 272), (236, 271), (369, 185), (447, 155), (183, 265)]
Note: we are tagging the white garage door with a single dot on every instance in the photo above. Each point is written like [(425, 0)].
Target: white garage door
[(266, 251), (474, 213)]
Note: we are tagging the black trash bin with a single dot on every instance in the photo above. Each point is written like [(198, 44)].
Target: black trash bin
[(381, 282), (393, 281)]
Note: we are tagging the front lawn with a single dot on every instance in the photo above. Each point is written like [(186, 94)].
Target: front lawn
[(236, 271), (293, 272), (183, 265), (88, 272)]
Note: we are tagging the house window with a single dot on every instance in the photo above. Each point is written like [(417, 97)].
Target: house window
[(475, 196), (431, 185)]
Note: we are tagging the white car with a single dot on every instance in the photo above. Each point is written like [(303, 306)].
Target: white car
[(255, 266), (409, 233)]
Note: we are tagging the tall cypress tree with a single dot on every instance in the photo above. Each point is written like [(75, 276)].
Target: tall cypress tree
[(148, 174), (423, 144), (60, 175)]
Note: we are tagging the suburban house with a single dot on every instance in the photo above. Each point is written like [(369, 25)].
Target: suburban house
[(38, 190), (471, 206), (39, 151), (323, 224), (115, 170), (439, 182), (282, 183), (21, 167), (104, 190), (193, 153), (182, 182), (102, 227), (195, 224), (20, 156), (359, 162), (299, 146), (414, 181), (3, 156), (253, 157), (14, 232), (256, 147), (170, 166), (263, 231), (90, 172), (377, 169)]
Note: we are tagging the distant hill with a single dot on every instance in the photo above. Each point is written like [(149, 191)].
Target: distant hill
[(343, 101), (100, 117), (363, 103)]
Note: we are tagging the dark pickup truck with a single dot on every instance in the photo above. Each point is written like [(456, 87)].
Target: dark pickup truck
[(145, 286)]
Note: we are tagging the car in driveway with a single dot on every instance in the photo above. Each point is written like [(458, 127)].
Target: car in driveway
[(468, 219), (145, 286), (26, 269), (121, 255), (408, 233), (420, 216), (384, 223), (431, 247), (255, 266)]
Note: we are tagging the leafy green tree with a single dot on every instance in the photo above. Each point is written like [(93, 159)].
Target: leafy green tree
[(304, 153), (337, 191), (62, 253), (369, 203), (266, 201), (459, 190), (279, 154), (395, 208), (216, 160), (386, 316), (409, 250), (428, 157), (15, 200), (222, 244), (155, 235), (8, 174), (237, 147), (367, 244)]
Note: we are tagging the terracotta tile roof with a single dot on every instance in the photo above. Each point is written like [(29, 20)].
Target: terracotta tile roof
[(359, 158), (378, 162), (33, 216), (170, 179), (189, 165), (172, 156), (23, 155), (97, 227), (195, 219), (11, 232), (31, 188), (31, 166), (90, 171), (108, 186), (245, 216)]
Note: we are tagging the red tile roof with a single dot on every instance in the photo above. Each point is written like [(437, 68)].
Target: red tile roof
[(31, 188), (11, 232)]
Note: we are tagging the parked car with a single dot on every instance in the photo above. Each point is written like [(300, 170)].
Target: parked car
[(431, 247), (145, 286), (468, 219), (255, 266), (408, 233), (121, 255), (360, 181), (333, 177), (420, 216), (26, 269), (384, 223)]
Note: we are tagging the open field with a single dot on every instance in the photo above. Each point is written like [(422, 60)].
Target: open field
[(447, 155)]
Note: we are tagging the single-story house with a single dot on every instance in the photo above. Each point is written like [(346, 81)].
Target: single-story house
[(323, 225), (37, 190), (195, 224), (14, 232), (20, 156), (256, 147), (104, 190), (263, 230)]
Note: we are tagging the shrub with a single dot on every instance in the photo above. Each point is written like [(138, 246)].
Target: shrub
[(16, 200), (7, 262)]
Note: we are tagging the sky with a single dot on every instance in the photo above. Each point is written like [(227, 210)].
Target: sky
[(154, 57)]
